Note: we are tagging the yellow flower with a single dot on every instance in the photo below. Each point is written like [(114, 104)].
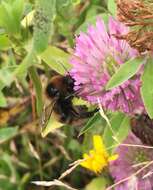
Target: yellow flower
[(98, 157)]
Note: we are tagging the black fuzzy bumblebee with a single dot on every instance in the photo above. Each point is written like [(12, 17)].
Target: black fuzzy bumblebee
[(60, 91)]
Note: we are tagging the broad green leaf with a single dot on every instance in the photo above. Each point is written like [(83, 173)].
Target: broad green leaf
[(125, 72), (17, 11), (119, 129), (43, 23), (112, 7), (3, 102), (10, 14), (91, 123), (123, 130), (147, 87), (99, 183), (7, 133), (38, 88), (52, 125), (6, 20), (57, 59), (18, 6)]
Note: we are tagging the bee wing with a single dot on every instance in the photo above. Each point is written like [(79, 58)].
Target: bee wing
[(46, 114)]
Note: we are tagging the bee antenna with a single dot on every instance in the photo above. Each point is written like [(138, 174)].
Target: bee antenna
[(73, 94)]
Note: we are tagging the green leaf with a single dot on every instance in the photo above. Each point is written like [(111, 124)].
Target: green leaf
[(147, 87), (52, 125), (7, 133), (119, 129), (112, 7), (125, 72), (6, 77), (24, 180), (3, 102), (10, 14), (92, 20), (38, 88), (43, 23), (91, 123), (17, 11), (57, 59), (28, 61), (4, 42), (124, 129), (98, 183), (8, 170), (7, 184), (6, 20)]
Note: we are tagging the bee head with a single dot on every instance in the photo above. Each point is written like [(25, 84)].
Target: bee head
[(69, 81), (52, 91)]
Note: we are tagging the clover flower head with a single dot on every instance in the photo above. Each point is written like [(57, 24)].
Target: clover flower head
[(98, 157), (131, 160), (98, 55)]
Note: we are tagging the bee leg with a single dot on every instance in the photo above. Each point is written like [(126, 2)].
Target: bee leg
[(63, 117), (88, 113), (84, 114)]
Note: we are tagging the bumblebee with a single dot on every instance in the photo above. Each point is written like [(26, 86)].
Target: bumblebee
[(60, 91)]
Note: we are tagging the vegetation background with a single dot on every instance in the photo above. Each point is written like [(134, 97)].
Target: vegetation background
[(36, 36)]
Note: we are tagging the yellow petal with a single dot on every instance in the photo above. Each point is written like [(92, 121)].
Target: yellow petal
[(98, 143), (98, 157), (85, 156), (113, 157), (87, 164), (92, 152)]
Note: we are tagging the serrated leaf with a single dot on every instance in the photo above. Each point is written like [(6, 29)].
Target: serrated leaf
[(57, 59), (125, 72), (52, 125), (112, 7), (91, 123), (119, 129), (7, 133), (147, 87), (38, 88)]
